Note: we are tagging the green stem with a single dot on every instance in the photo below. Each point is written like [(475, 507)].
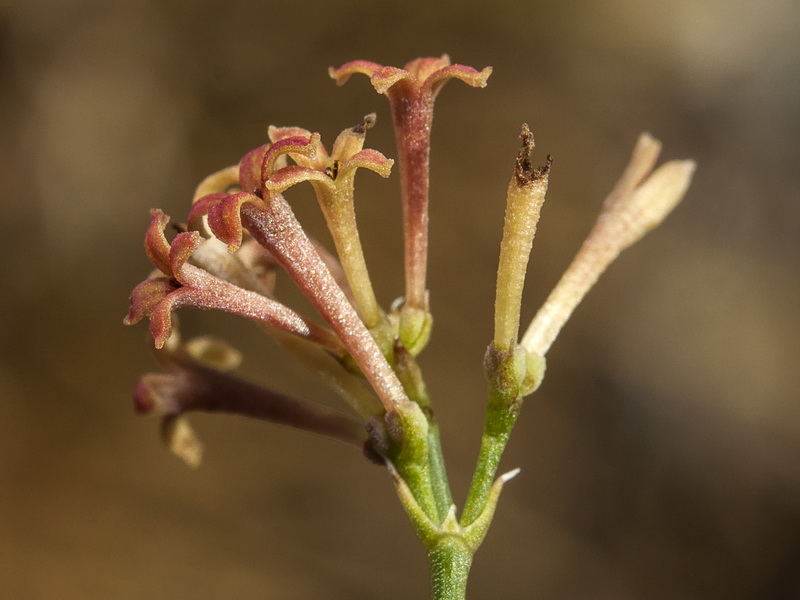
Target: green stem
[(438, 473), (450, 560), (500, 421)]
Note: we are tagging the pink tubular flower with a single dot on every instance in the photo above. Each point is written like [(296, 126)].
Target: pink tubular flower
[(183, 284), (411, 92), (197, 379)]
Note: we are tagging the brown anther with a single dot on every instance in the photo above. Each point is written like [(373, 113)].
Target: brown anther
[(333, 171)]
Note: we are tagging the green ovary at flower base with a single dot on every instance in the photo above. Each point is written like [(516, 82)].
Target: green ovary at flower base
[(241, 229)]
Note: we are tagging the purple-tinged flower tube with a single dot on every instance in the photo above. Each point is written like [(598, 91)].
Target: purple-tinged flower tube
[(411, 92), (183, 284), (259, 263), (197, 380)]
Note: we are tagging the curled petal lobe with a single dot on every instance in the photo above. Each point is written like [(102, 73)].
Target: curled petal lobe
[(155, 242), (203, 205), (292, 175), (293, 146), (369, 159), (224, 217), (468, 75), (277, 134), (387, 77), (250, 176), (221, 181), (161, 316), (182, 248), (146, 296), (365, 67), (195, 287), (306, 159)]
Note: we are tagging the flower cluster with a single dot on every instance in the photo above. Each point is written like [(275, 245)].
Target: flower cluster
[(240, 230), (243, 208)]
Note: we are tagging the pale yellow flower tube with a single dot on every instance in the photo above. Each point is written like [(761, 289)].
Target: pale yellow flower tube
[(526, 193)]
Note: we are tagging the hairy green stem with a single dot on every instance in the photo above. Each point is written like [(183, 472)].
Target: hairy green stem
[(438, 473), (450, 560), (500, 421)]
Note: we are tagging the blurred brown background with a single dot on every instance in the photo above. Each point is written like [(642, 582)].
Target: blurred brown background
[(660, 459)]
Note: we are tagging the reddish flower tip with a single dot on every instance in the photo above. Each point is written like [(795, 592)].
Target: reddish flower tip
[(422, 74), (145, 297), (224, 215), (155, 243)]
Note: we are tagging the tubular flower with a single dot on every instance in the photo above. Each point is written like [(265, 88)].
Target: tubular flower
[(197, 378), (525, 197), (411, 92), (333, 178), (183, 284)]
